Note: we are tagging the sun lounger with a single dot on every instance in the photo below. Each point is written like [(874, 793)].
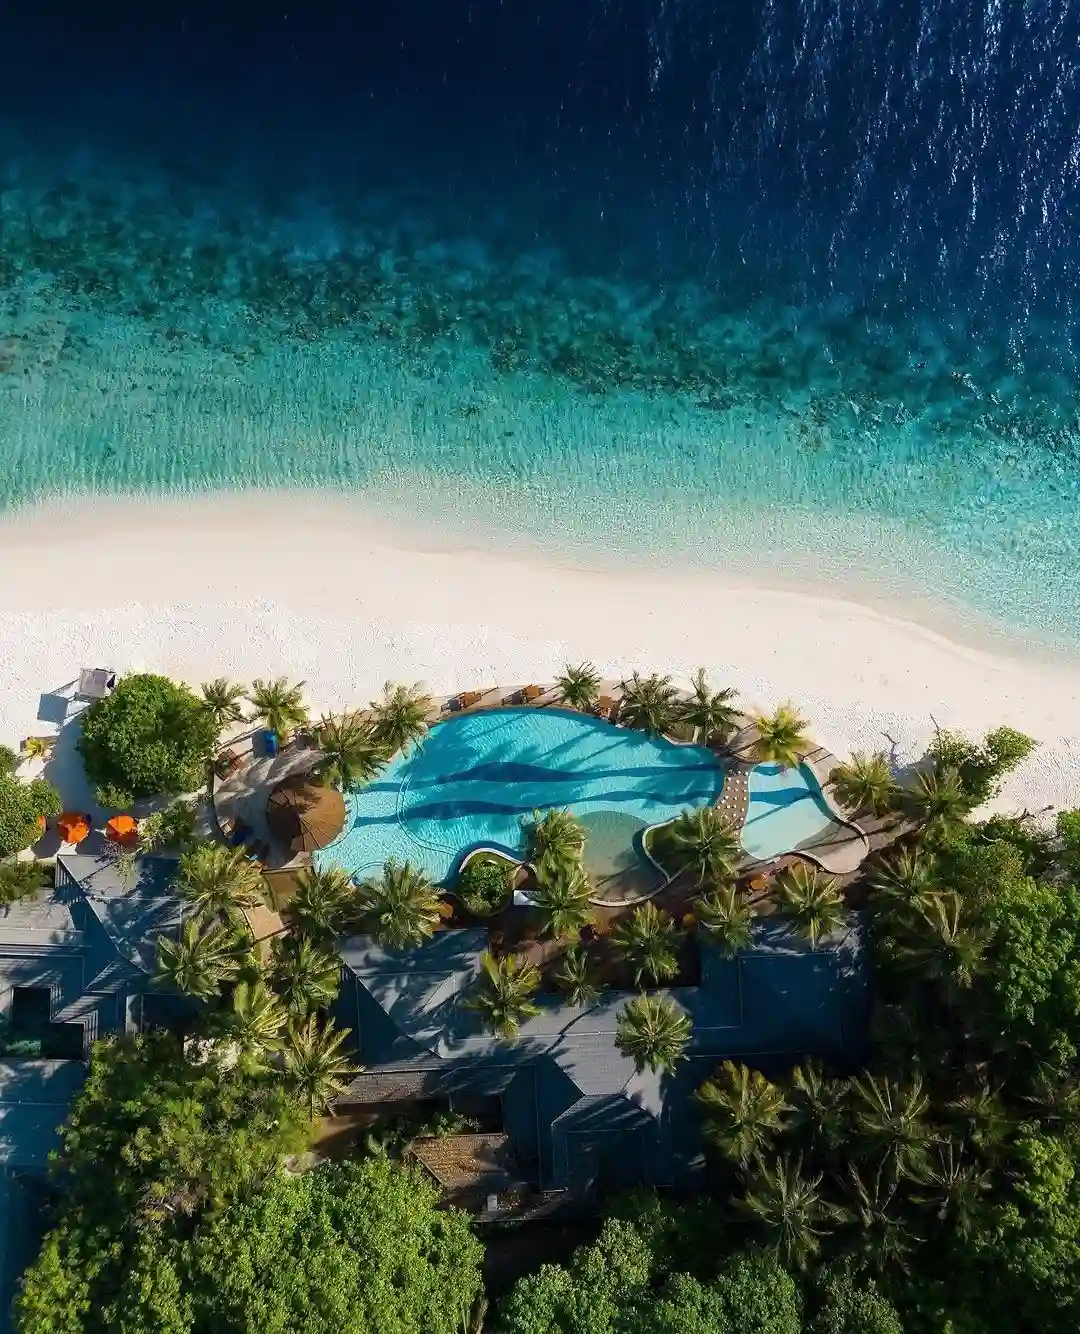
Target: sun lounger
[(96, 683), (531, 693)]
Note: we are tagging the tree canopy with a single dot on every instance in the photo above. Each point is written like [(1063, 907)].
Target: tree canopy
[(21, 807), (151, 736)]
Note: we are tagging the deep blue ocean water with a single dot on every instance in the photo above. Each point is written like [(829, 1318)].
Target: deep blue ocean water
[(787, 286)]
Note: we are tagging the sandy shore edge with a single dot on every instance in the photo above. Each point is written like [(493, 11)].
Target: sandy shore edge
[(318, 588)]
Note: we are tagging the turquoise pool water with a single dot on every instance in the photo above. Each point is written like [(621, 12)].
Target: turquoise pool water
[(786, 811), (476, 776)]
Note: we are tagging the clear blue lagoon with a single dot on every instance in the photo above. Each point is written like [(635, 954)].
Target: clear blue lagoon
[(477, 777), (786, 810), (785, 288)]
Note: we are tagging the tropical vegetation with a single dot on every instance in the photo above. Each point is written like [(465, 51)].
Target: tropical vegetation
[(811, 902), (504, 992), (351, 754), (279, 705), (23, 808), (711, 713), (648, 940), (579, 687), (705, 842), (649, 704), (554, 840), (219, 881), (150, 737), (865, 782), (484, 884), (322, 902), (401, 716), (653, 1032), (782, 736), (562, 897), (400, 907), (727, 920), (224, 701)]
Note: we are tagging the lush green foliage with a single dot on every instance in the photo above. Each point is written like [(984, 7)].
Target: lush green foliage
[(9, 760), (650, 704), (401, 716), (653, 1032), (483, 884), (21, 805), (504, 993), (172, 829), (649, 942), (705, 843), (351, 754), (279, 705), (579, 687), (20, 880), (177, 1217), (781, 736), (981, 767), (865, 782), (150, 736), (400, 907), (711, 713)]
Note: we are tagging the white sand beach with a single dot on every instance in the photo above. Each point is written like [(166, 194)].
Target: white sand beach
[(259, 585)]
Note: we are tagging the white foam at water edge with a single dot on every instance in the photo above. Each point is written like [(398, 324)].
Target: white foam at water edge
[(252, 586)]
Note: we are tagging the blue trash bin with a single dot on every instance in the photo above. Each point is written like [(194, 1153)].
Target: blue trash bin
[(270, 743)]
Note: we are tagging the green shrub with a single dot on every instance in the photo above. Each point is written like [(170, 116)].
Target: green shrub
[(9, 761), (981, 767), (21, 806), (484, 884), (150, 736), (20, 880)]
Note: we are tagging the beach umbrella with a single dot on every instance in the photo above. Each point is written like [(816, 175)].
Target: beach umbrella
[(121, 829), (304, 815), (73, 827)]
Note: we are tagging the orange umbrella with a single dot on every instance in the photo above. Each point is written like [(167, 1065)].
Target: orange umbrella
[(73, 827), (121, 828)]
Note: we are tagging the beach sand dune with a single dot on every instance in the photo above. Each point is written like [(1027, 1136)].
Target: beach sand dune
[(261, 586)]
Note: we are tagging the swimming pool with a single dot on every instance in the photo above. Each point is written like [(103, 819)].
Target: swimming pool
[(786, 811), (476, 776)]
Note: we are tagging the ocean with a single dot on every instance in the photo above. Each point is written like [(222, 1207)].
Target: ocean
[(785, 287)]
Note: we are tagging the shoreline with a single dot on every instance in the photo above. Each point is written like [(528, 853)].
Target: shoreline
[(315, 587)]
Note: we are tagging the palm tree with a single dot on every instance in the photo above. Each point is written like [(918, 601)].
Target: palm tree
[(652, 1031), (576, 977), (38, 747), (709, 712), (742, 1112), (811, 902), (938, 800), (219, 880), (306, 975), (401, 716), (952, 1187), (649, 942), (890, 1121), (223, 701), (203, 957), (649, 704), (504, 993), (865, 782), (789, 1206), (908, 880), (705, 841), (555, 840), (937, 943), (563, 899), (279, 705), (727, 919), (322, 902), (350, 753), (579, 687), (782, 737), (255, 1021), (819, 1107), (315, 1065), (881, 1238), (985, 1119), (401, 907)]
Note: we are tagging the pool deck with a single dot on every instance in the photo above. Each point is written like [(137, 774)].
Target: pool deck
[(244, 793)]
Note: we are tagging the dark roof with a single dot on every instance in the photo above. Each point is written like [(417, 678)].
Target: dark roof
[(34, 1100), (133, 915)]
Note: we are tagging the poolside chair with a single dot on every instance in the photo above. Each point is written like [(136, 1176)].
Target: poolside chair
[(531, 693), (96, 683)]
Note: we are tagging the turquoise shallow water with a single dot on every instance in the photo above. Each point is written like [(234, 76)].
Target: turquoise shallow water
[(477, 777), (786, 810), (779, 289)]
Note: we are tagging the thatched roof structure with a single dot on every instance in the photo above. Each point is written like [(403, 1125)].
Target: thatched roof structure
[(303, 815)]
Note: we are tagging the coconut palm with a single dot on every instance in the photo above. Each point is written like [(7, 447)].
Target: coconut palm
[(907, 880), (401, 716), (819, 1107), (400, 907), (952, 1186), (881, 1237), (350, 753), (305, 975), (811, 902), (315, 1065), (742, 1112), (789, 1206), (649, 704), (938, 943), (322, 902), (890, 1121), (37, 747), (709, 712), (204, 956), (782, 737), (219, 880), (865, 782), (563, 899), (255, 1021), (579, 687), (984, 1118), (705, 841), (649, 942), (223, 700), (576, 978), (727, 919), (653, 1032), (938, 800), (555, 840), (279, 705), (504, 993)]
